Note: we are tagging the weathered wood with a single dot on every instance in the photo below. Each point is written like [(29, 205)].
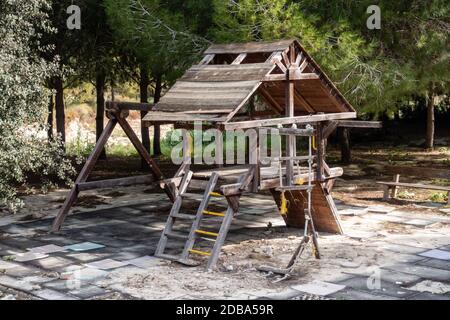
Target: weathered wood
[(324, 212), (252, 47), (234, 72), (420, 172), (360, 124), (295, 75), (112, 183), (84, 173), (270, 100), (289, 131), (319, 152), (172, 117), (395, 189), (140, 148), (297, 119), (329, 129), (207, 59), (414, 185), (129, 106), (239, 58)]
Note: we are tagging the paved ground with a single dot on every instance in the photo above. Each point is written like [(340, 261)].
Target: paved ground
[(96, 250)]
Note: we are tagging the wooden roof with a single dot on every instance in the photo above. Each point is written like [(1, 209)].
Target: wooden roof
[(229, 74)]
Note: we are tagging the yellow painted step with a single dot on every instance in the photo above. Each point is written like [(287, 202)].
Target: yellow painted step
[(202, 253), (212, 213), (213, 234), (215, 194)]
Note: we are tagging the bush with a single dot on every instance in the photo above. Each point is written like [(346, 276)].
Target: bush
[(24, 150)]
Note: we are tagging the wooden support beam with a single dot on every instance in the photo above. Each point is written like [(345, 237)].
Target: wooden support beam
[(84, 173), (295, 75), (239, 58), (207, 59), (270, 100), (360, 124), (298, 119), (329, 129), (319, 153), (114, 105), (289, 131), (111, 183), (308, 107), (140, 148)]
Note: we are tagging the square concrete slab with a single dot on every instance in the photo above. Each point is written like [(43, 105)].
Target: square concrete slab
[(84, 246), (29, 256), (319, 288), (106, 264), (6, 265), (87, 274), (50, 248), (420, 271), (381, 209), (49, 294), (146, 262), (436, 254), (420, 223)]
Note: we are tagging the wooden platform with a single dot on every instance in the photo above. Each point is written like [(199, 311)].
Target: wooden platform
[(325, 215)]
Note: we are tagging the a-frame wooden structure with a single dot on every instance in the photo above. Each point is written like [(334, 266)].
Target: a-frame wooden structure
[(242, 86)]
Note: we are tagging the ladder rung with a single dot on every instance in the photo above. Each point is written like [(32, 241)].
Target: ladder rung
[(207, 233), (183, 216), (293, 188), (215, 194), (212, 213), (192, 196), (202, 253), (176, 235)]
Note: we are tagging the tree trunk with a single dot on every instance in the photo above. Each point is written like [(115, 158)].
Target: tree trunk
[(344, 139), (429, 144), (157, 129), (50, 119), (143, 91), (100, 91), (59, 108)]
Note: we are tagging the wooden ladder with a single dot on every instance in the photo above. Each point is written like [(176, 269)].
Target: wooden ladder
[(195, 232)]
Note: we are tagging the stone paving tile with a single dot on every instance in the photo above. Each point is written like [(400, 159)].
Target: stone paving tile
[(421, 271), (352, 294), (15, 283), (435, 263), (319, 288), (428, 296), (386, 288), (394, 277), (283, 295), (7, 265), (29, 256), (85, 246), (83, 257), (49, 294), (146, 262), (401, 248), (22, 271), (52, 263), (380, 209), (87, 274), (88, 292), (436, 254), (106, 264), (420, 223), (21, 242), (49, 248)]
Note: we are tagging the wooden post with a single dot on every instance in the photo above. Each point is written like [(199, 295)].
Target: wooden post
[(448, 198), (290, 146), (319, 152), (82, 177), (395, 188), (386, 193)]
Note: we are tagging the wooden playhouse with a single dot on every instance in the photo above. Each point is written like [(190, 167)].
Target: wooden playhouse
[(259, 85)]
